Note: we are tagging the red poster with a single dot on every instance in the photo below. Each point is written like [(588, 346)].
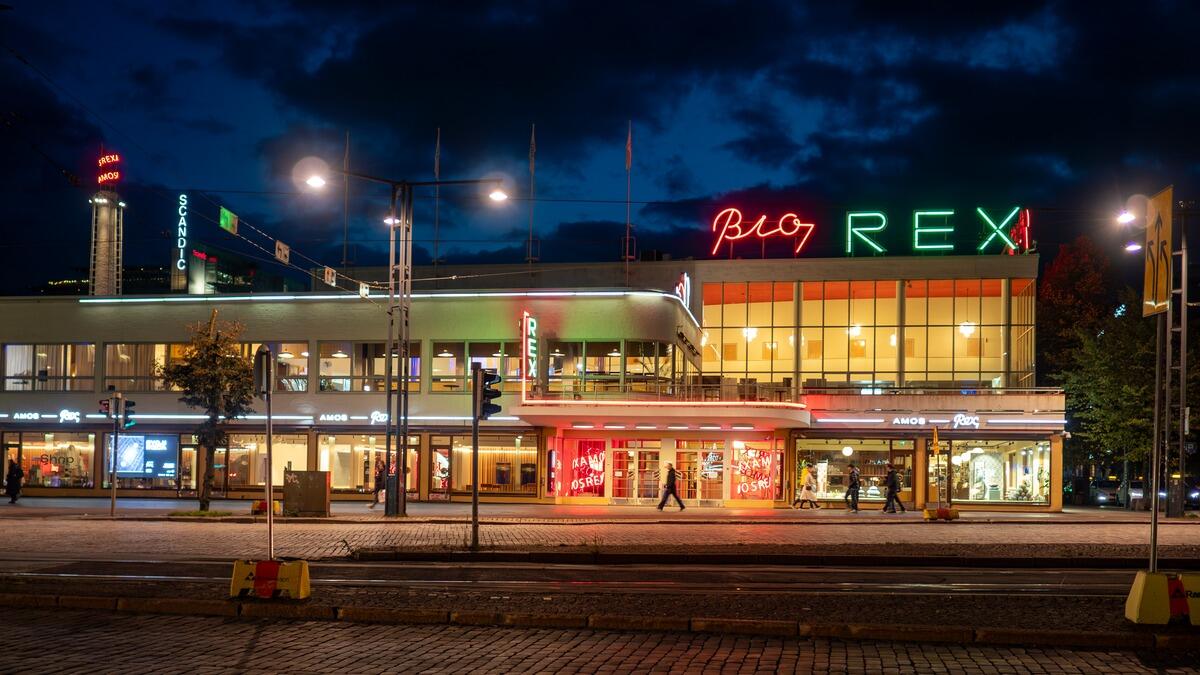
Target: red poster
[(755, 473)]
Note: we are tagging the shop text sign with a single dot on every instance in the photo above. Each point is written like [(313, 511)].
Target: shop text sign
[(929, 230), (181, 234), (64, 416), (959, 421), (529, 341)]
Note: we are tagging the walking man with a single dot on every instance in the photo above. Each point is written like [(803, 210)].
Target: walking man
[(669, 489), (852, 487), (893, 491)]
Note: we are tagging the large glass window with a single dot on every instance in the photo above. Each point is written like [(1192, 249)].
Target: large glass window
[(602, 361), (149, 461), (49, 367), (362, 366), (291, 363), (565, 366), (749, 339), (52, 459), (701, 467), (581, 468), (1021, 359), (507, 463), (135, 366), (449, 367), (757, 470), (1000, 471), (353, 460), (954, 333), (829, 459), (247, 458)]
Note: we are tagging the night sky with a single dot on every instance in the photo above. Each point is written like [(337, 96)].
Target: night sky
[(1066, 108)]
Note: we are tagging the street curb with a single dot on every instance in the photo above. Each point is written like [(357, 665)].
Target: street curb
[(299, 611), (788, 559)]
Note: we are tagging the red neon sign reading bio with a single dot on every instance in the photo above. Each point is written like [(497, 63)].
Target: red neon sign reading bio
[(730, 227)]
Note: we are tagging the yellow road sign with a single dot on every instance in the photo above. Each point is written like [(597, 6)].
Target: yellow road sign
[(1156, 284)]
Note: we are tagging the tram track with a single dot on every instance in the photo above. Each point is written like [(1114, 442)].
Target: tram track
[(530, 578)]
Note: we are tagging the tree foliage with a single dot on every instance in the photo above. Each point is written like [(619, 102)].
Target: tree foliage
[(214, 377), (1110, 385), (1075, 296)]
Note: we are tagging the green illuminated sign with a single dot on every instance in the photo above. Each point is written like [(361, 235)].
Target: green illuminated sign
[(998, 230), (860, 231), (229, 221), (945, 230)]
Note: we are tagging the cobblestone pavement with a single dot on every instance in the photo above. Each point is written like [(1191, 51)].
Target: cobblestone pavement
[(74, 538), (84, 642)]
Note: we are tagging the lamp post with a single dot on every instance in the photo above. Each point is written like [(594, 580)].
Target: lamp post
[(400, 302)]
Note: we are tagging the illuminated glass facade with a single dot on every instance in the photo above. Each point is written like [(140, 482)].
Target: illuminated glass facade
[(764, 338)]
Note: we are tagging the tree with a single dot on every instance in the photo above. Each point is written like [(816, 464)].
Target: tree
[(213, 376), (1109, 385), (1075, 296)]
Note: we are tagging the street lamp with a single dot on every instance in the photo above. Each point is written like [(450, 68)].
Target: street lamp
[(1126, 217), (400, 298)]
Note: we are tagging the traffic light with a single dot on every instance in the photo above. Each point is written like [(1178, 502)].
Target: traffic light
[(489, 379), (127, 413)]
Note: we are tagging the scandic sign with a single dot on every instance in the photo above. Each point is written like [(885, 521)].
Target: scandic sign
[(1005, 231)]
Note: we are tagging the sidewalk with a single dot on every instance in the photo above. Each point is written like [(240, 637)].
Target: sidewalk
[(458, 512)]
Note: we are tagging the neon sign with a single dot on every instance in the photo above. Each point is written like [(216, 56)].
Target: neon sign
[(108, 177), (181, 234), (683, 289), (933, 230), (108, 171), (732, 228), (111, 158), (528, 351)]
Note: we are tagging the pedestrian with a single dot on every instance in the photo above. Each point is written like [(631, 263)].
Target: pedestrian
[(852, 487), (380, 482), (808, 488), (12, 481), (892, 481), (669, 489)]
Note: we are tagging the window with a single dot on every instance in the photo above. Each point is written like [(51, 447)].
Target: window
[(701, 467), (602, 361), (361, 366), (449, 367), (53, 459), (565, 366), (507, 463), (49, 367), (291, 363), (829, 459), (957, 331), (581, 468), (756, 470), (999, 471), (352, 460), (246, 458), (135, 366), (149, 461)]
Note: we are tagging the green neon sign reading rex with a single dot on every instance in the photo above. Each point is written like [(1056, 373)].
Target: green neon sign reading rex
[(932, 230)]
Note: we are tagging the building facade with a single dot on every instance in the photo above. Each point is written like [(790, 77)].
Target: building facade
[(743, 374)]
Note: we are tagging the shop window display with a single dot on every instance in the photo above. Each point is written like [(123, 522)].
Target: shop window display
[(507, 463), (150, 461), (1015, 471), (351, 459), (581, 468), (830, 459), (53, 459), (756, 470), (246, 458)]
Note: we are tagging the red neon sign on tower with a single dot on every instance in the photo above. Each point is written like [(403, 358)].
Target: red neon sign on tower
[(730, 227), (108, 171)]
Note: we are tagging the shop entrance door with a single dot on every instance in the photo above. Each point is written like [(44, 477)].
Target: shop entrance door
[(687, 466), (439, 478), (185, 472), (635, 475), (12, 453), (903, 457)]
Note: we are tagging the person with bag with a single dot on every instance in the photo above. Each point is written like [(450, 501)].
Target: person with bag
[(852, 487), (669, 489), (893, 491), (380, 482), (808, 488)]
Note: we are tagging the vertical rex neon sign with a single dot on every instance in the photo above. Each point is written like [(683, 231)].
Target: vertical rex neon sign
[(528, 353), (946, 230), (861, 231)]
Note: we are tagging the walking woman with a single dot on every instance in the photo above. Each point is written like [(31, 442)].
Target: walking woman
[(380, 482), (808, 488), (12, 481)]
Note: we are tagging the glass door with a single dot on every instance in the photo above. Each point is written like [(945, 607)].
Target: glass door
[(187, 468), (903, 454), (12, 453), (625, 477), (439, 476), (687, 466), (647, 474)]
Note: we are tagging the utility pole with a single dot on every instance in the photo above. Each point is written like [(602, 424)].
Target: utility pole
[(117, 409), (476, 386)]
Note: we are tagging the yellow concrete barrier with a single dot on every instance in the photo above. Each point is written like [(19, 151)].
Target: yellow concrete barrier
[(259, 506), (1148, 601), (944, 513), (270, 579)]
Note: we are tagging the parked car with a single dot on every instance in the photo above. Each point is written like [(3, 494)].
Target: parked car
[(1103, 492), (1191, 493), (1135, 489)]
